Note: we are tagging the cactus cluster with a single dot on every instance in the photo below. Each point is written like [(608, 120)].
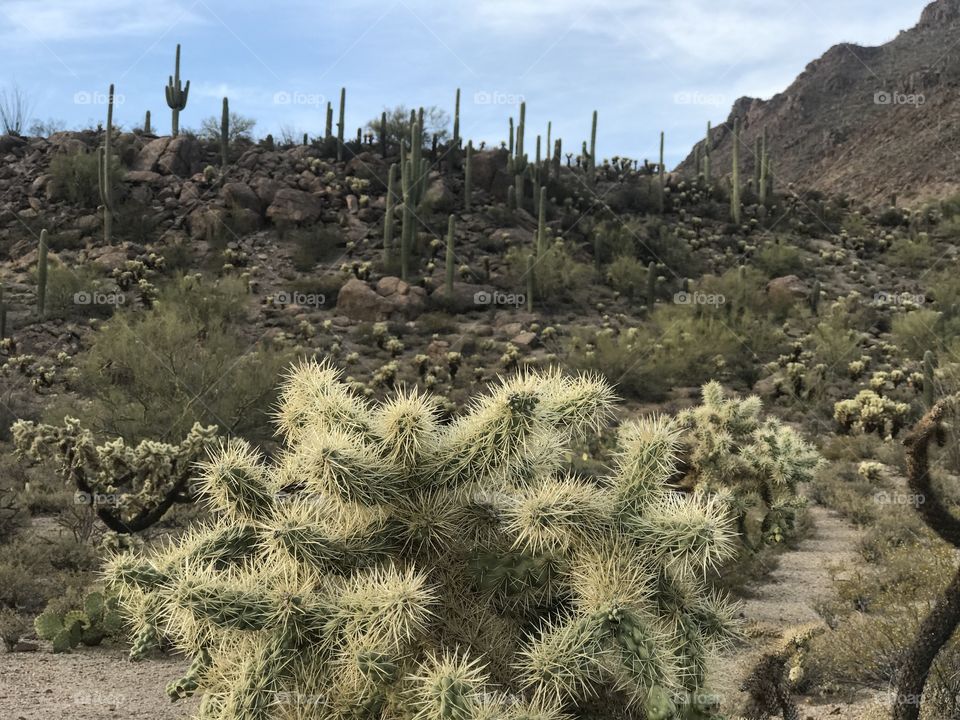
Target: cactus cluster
[(99, 618), (389, 565), (754, 463), (130, 487)]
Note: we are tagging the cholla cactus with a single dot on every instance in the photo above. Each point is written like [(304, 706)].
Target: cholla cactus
[(390, 566), (869, 412), (129, 487), (751, 461)]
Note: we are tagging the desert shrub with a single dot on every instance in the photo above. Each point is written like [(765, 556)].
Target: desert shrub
[(558, 274), (317, 244), (241, 128), (912, 254), (28, 576), (917, 331), (422, 569), (13, 626), (187, 360), (679, 346), (75, 177), (628, 276), (66, 287), (777, 260)]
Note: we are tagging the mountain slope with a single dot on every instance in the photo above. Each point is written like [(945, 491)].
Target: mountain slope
[(865, 121)]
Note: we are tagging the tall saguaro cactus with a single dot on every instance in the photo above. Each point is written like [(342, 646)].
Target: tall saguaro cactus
[(42, 263), (341, 124), (451, 255), (663, 186), (105, 173), (468, 178), (388, 219), (707, 168), (592, 157), (225, 135), (328, 127), (176, 95), (147, 129), (735, 204)]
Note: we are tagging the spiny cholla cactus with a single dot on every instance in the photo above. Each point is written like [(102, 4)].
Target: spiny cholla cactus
[(751, 461), (390, 566), (870, 412), (129, 487)]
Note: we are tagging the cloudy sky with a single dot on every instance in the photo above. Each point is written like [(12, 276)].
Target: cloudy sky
[(646, 65)]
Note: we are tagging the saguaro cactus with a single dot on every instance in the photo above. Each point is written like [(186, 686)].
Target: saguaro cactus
[(3, 315), (441, 570), (663, 185), (592, 157), (450, 258), (384, 148), (328, 127), (42, 273), (225, 135), (707, 168), (388, 219), (341, 123), (735, 205), (468, 178), (542, 222), (651, 286), (176, 95), (105, 173), (147, 130)]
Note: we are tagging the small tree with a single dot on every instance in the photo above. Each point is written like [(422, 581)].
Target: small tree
[(15, 108), (436, 121), (241, 128)]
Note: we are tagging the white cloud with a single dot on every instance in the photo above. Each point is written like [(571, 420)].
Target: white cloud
[(64, 20)]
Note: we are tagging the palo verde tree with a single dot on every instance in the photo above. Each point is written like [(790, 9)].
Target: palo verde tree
[(387, 565)]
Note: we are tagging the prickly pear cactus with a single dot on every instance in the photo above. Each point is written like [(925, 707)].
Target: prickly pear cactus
[(387, 565), (99, 618)]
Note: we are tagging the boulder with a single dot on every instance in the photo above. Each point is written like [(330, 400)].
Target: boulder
[(438, 196), (291, 206), (485, 167), (181, 157), (787, 286), (143, 176), (150, 153), (358, 301), (463, 298), (265, 189), (406, 299), (240, 195)]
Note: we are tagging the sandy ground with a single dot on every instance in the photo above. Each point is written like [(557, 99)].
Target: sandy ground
[(785, 598), (89, 684)]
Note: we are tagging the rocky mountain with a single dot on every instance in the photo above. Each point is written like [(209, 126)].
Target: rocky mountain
[(865, 121)]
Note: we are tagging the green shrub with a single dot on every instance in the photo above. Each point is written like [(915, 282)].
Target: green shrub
[(75, 177), (777, 260), (316, 244), (628, 276), (189, 359), (558, 274), (917, 331)]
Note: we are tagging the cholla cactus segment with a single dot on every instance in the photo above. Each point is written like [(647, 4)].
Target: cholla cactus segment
[(389, 565)]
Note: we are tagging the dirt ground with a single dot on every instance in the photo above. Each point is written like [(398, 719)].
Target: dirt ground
[(786, 598), (89, 684)]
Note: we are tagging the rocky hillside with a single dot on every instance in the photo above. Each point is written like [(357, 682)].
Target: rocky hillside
[(865, 121)]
